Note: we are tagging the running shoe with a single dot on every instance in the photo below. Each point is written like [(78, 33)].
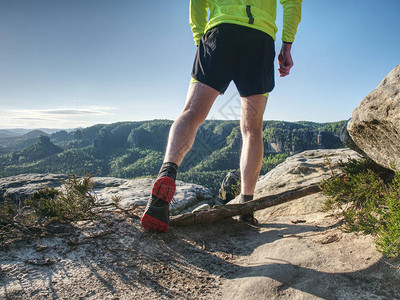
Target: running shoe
[(156, 214)]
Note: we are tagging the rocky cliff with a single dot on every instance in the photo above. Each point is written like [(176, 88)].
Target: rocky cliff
[(296, 251)]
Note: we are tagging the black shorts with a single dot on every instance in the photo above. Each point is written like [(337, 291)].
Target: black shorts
[(232, 52)]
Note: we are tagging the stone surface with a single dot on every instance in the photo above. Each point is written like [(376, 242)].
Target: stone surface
[(130, 191), (296, 171), (375, 123), (300, 252), (137, 192), (298, 261), (347, 140), (297, 251), (21, 186), (302, 169)]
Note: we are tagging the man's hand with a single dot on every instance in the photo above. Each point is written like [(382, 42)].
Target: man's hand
[(285, 60)]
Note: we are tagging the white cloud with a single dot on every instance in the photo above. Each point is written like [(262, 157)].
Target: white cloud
[(55, 118), (69, 112), (93, 110)]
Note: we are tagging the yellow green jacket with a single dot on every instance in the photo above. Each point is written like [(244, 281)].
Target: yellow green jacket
[(258, 14)]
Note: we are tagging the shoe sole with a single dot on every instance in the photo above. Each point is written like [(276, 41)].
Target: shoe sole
[(164, 188), (150, 223)]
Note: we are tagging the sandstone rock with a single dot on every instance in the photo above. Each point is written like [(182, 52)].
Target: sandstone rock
[(301, 264), (296, 252), (297, 258), (302, 169), (226, 192), (347, 140), (190, 195), (375, 123), (296, 171), (21, 186), (129, 191)]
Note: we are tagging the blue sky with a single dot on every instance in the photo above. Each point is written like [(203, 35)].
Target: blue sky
[(70, 63)]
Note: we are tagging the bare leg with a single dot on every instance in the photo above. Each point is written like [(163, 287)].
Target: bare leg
[(251, 125), (199, 100)]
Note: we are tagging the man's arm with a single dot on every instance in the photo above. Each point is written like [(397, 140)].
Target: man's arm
[(198, 18), (285, 60), (291, 20)]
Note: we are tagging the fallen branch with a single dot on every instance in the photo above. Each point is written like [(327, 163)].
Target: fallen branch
[(224, 211)]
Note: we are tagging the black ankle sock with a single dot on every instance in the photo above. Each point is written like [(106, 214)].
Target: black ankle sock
[(168, 169), (245, 198)]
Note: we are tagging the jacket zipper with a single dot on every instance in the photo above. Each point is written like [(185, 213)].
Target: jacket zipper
[(249, 15)]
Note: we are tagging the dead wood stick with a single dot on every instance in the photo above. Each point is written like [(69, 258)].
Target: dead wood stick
[(229, 210)]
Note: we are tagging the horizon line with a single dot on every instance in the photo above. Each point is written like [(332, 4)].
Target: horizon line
[(148, 120)]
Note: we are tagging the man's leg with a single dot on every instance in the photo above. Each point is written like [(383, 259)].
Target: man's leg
[(251, 126), (182, 134)]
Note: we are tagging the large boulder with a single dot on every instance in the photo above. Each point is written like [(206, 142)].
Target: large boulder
[(347, 140), (375, 123)]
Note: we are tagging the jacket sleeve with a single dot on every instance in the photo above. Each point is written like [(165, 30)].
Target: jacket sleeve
[(291, 19), (198, 18)]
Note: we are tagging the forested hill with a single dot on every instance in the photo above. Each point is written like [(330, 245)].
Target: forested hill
[(135, 149)]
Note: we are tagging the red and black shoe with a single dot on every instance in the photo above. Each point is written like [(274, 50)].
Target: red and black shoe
[(156, 214)]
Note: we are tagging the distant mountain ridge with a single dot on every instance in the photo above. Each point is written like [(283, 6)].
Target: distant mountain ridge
[(135, 149), (8, 133), (15, 132), (18, 138), (21, 141)]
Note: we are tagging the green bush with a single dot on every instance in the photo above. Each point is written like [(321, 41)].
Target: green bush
[(8, 211), (73, 202), (388, 239), (367, 201), (26, 218)]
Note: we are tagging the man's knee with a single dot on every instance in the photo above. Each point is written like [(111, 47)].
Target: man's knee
[(253, 108), (193, 116), (251, 129), (251, 125)]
